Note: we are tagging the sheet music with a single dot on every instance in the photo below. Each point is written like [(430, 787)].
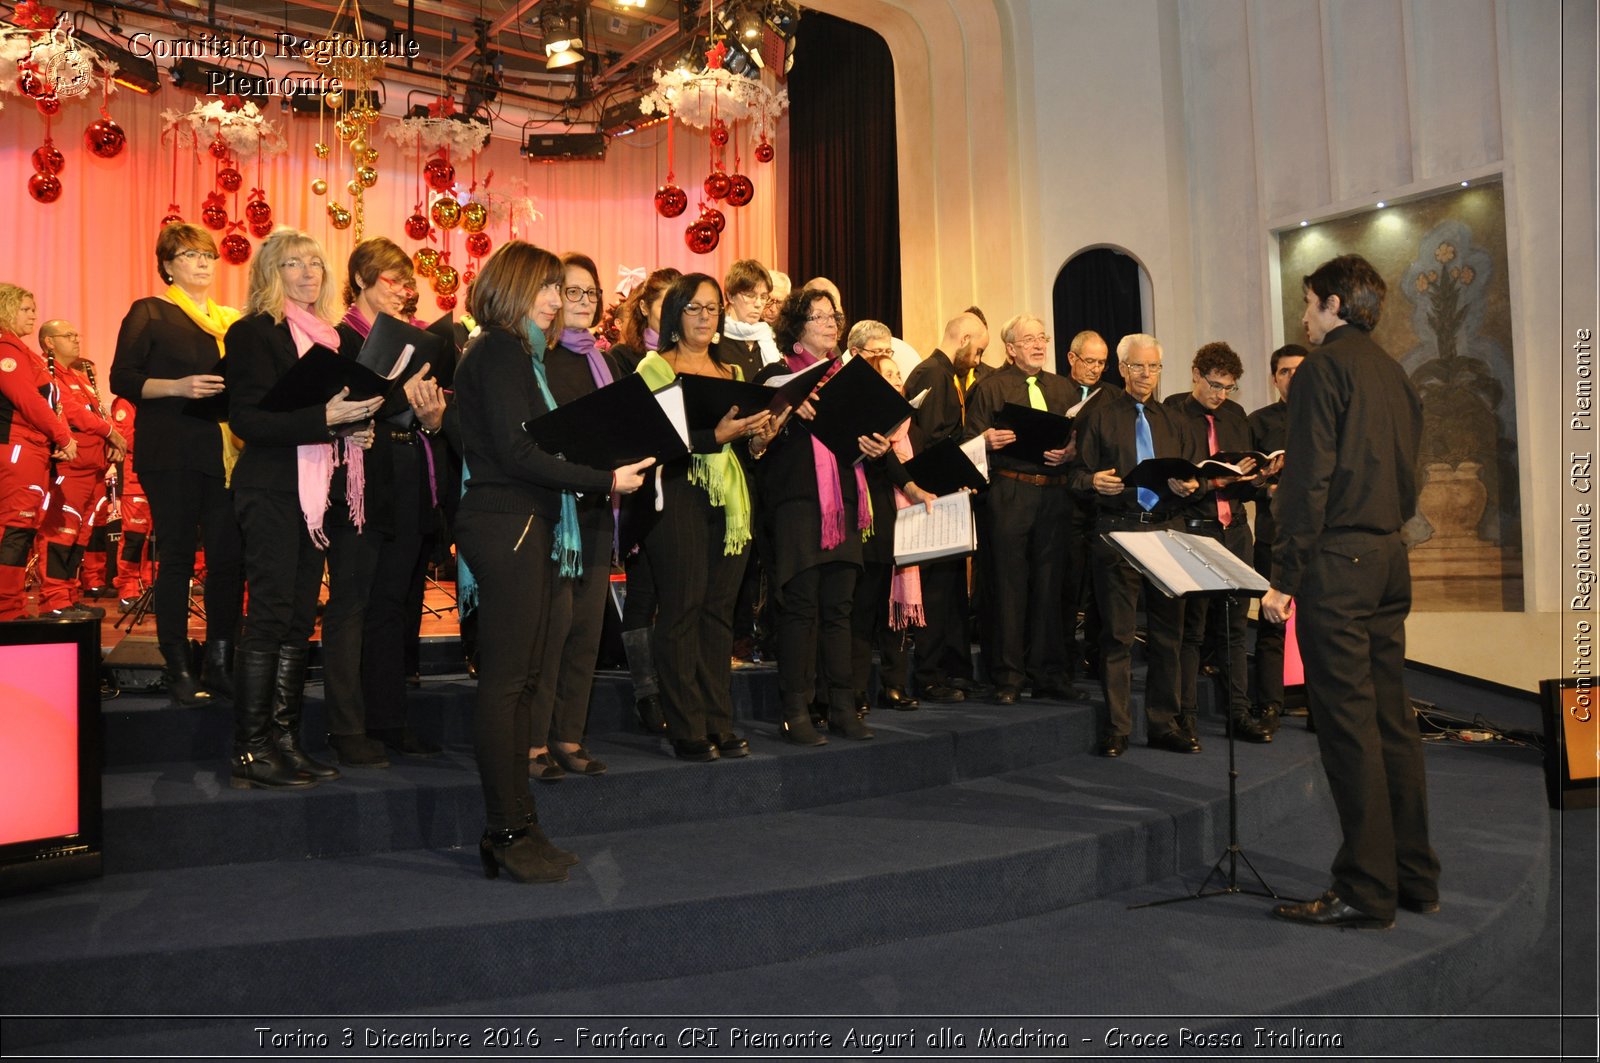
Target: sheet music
[(401, 362), (670, 399), (1179, 564), (920, 535), (916, 403), (1082, 403), (977, 451)]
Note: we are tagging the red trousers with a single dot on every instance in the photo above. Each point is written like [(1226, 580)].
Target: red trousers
[(135, 568), (64, 524), (24, 480)]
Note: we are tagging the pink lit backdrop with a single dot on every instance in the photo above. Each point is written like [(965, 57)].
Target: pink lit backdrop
[(88, 255), (38, 742)]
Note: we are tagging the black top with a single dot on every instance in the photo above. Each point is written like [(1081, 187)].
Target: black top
[(496, 392), (627, 357), (746, 354), (941, 414), (1106, 441), (570, 379), (1010, 384), (1269, 431), (1355, 425), (158, 340), (259, 352), (1233, 434)]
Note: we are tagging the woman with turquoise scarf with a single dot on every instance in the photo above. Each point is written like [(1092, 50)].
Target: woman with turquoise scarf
[(517, 530), (698, 544)]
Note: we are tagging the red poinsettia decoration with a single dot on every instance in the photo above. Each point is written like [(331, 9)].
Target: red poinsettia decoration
[(715, 56), (443, 107), (32, 16)]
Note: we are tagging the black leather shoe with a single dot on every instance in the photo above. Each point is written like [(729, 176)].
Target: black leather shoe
[(1173, 742), (651, 718), (729, 744), (1006, 696), (697, 749), (577, 761), (848, 724), (359, 751), (1329, 910), (972, 688), (1051, 694), (1113, 745), (942, 692), (1418, 905), (1247, 728), (897, 699), (543, 768)]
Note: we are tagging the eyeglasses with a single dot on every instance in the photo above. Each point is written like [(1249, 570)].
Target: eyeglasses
[(1225, 389), (191, 255), (314, 265), (1031, 341), (1090, 363), (62, 336), (409, 287), (817, 319), (1149, 369), (757, 300), (886, 349), (581, 295), (703, 310)]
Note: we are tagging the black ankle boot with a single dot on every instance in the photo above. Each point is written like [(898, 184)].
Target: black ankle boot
[(515, 852), (216, 668), (256, 759), (844, 720), (549, 849), (181, 683), (288, 702), (1247, 728), (652, 720), (798, 727)]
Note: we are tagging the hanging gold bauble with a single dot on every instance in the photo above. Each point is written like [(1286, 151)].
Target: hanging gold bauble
[(446, 212), (474, 217), (372, 156), (319, 187), (445, 279), (353, 187), (321, 150), (338, 216), (425, 261), (367, 176), (358, 147), (334, 99), (346, 130)]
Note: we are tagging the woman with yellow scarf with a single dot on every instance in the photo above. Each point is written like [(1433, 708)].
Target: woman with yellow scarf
[(168, 354)]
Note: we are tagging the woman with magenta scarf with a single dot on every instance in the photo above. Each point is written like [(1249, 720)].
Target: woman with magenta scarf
[(517, 531), (574, 367), (299, 492)]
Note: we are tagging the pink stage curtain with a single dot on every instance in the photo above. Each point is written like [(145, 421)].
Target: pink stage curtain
[(88, 255)]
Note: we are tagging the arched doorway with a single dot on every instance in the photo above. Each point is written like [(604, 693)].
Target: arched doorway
[(1104, 289)]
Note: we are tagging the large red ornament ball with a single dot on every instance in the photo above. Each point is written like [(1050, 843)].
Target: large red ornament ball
[(48, 105), (34, 85), (417, 227), (714, 218), (702, 237), (439, 174), (105, 138), (478, 244), (446, 303), (173, 218), (45, 187), (446, 280), (740, 190), (446, 212), (717, 185), (671, 201), (229, 179), (258, 210), (764, 152), (48, 159), (218, 150), (214, 217), (719, 133), (236, 249)]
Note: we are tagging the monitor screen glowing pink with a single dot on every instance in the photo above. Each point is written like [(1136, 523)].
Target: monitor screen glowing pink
[(38, 741)]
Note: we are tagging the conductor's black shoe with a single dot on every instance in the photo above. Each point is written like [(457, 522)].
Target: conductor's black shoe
[(1330, 910), (1006, 696), (1174, 742), (698, 749), (1113, 745), (1418, 905), (729, 744), (895, 698), (942, 692)]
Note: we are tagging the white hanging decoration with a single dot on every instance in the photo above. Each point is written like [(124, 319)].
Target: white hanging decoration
[(68, 67), (464, 139), (693, 98), (240, 125)]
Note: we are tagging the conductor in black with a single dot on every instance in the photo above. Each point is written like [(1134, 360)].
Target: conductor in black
[(1348, 485)]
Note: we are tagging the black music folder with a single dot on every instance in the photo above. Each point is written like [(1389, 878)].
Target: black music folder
[(792, 388), (214, 407), (706, 400), (944, 469), (616, 425), (856, 401), (396, 349), (1037, 431), (453, 334), (1155, 472), (319, 375)]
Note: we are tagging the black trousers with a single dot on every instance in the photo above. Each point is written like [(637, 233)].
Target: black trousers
[(1206, 635), (514, 586), (572, 641), (944, 645), (1077, 586), (393, 613), (183, 502), (696, 584), (1027, 525), (1116, 586), (1269, 644), (870, 630), (1351, 610), (814, 633)]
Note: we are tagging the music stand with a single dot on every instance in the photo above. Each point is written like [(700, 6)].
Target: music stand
[(1180, 565)]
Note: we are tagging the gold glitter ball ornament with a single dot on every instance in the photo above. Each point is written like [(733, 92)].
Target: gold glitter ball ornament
[(446, 212), (339, 216), (474, 217), (425, 261), (319, 187)]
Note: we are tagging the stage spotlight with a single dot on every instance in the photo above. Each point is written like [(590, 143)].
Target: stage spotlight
[(562, 27)]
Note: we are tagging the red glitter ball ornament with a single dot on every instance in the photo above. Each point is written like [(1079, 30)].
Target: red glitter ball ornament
[(229, 179), (439, 173), (105, 138), (717, 185), (740, 190), (719, 133), (34, 85), (417, 227), (714, 218), (236, 249), (48, 105), (214, 217), (258, 210), (764, 152), (702, 237), (172, 218), (671, 201), (446, 303), (45, 187), (48, 159), (478, 244), (261, 228), (218, 150)]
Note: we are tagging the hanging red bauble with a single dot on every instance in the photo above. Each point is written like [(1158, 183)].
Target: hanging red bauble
[(172, 217), (425, 261), (467, 277), (446, 303), (214, 215), (764, 152), (478, 244), (258, 210), (236, 249), (714, 218), (48, 158), (48, 105), (671, 201), (702, 237), (740, 190), (229, 179), (474, 217), (45, 187), (439, 173), (445, 279), (218, 150), (719, 133), (717, 184), (446, 212), (261, 229), (417, 226), (34, 85), (105, 138)]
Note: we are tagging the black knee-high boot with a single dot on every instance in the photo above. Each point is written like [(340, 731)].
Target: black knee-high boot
[(256, 759), (288, 704)]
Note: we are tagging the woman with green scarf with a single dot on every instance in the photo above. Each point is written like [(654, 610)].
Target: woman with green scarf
[(698, 543), (517, 530)]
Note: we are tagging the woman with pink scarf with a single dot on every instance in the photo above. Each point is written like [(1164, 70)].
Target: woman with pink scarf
[(298, 490)]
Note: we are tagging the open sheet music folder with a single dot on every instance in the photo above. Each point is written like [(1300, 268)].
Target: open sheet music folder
[(947, 531), (1179, 563)]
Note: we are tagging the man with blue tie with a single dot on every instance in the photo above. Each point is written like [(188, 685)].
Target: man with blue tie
[(1112, 438)]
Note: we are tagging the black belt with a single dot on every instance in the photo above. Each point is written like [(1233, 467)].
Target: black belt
[(1032, 478), (1114, 521), (402, 435)]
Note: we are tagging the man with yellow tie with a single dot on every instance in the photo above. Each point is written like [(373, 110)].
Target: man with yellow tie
[(1024, 537)]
